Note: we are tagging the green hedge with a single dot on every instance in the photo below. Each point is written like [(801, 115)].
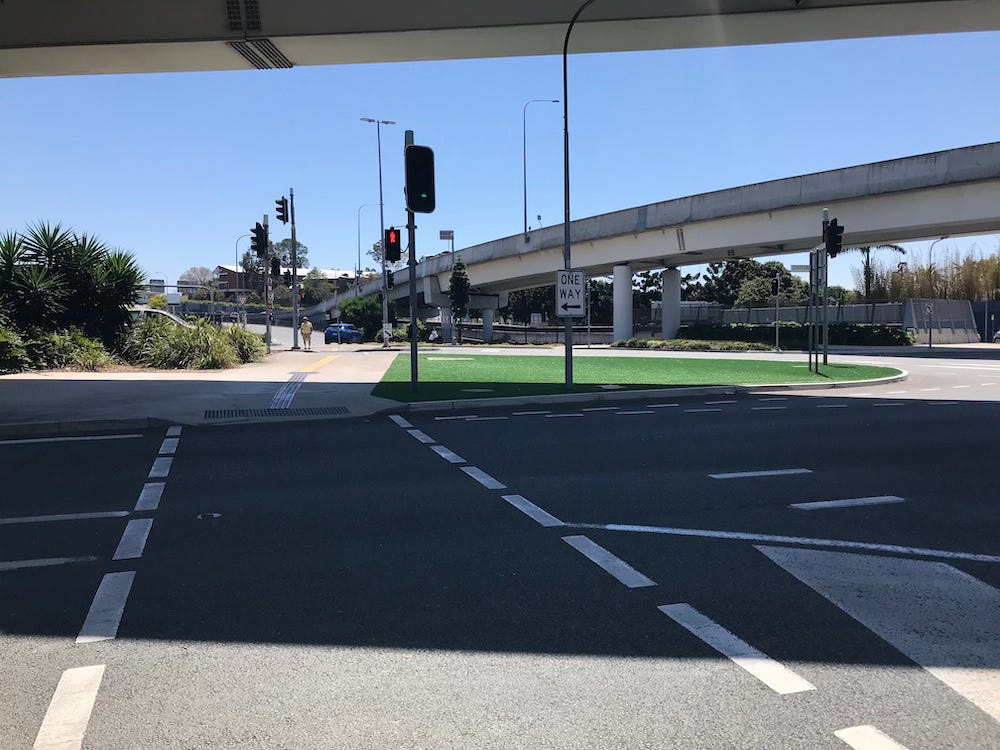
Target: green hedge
[(796, 335), (689, 345), (160, 343)]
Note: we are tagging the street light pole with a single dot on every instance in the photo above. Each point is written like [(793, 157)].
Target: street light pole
[(238, 265), (930, 265), (524, 154), (381, 216), (357, 273), (567, 265)]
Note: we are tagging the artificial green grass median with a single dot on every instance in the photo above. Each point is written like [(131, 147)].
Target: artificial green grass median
[(446, 376)]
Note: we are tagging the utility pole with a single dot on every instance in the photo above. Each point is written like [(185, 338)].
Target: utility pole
[(295, 274)]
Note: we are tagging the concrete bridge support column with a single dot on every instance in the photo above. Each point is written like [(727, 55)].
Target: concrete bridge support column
[(670, 307), (488, 314), (622, 298)]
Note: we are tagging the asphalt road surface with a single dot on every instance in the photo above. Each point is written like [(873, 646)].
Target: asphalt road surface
[(763, 571)]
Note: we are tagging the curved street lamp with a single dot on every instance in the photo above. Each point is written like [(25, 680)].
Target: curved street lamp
[(381, 216), (524, 154)]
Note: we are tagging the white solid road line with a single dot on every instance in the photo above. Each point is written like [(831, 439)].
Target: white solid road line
[(894, 393), (554, 416), (483, 478), (63, 517), (609, 563), (67, 439), (709, 403), (633, 413), (893, 403), (169, 446), (486, 419), (174, 431), (774, 398), (942, 403), (68, 714), (532, 511), (768, 408), (400, 421), (447, 455), (768, 473), (423, 437), (44, 562), (831, 406), (867, 737), (149, 498), (600, 408), (660, 406), (160, 468), (793, 540), (849, 503), (700, 411), (943, 619), (448, 419), (133, 539), (106, 610), (529, 413), (961, 386), (927, 390), (777, 677)]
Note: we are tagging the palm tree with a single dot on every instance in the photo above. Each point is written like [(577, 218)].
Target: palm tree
[(47, 244), (866, 263)]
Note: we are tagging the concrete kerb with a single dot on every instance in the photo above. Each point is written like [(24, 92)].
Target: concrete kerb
[(77, 427), (636, 395)]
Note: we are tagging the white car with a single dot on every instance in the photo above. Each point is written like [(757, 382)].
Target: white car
[(142, 312)]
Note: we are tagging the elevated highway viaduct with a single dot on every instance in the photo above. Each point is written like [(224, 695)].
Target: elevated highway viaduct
[(950, 192)]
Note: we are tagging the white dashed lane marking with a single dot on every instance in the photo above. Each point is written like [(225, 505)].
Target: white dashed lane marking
[(133, 540), (149, 498), (66, 719), (160, 468), (63, 517), (849, 503), (532, 511), (447, 455), (609, 563), (423, 437), (766, 473), (483, 478), (44, 562), (106, 610), (400, 421), (867, 737), (776, 676)]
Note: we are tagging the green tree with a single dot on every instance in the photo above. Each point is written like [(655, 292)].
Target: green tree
[(364, 312), (867, 275), (459, 290), (158, 302), (283, 250), (522, 302), (316, 287)]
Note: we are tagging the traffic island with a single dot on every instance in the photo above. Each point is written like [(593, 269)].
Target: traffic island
[(460, 376)]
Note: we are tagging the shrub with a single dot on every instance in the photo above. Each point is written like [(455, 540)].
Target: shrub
[(166, 345), (249, 346), (13, 356), (691, 345), (795, 335), (69, 348)]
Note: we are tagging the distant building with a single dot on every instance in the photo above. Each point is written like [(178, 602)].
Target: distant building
[(230, 278)]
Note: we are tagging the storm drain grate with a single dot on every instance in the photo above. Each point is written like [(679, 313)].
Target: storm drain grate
[(315, 411)]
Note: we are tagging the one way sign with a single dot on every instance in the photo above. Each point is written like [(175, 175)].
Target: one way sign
[(569, 294)]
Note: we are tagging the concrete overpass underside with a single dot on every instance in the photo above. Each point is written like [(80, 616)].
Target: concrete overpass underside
[(68, 37)]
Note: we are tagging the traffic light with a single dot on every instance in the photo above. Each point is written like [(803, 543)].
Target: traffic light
[(419, 179), (275, 268), (389, 283), (281, 209), (833, 235), (258, 240), (287, 279), (302, 296), (392, 248)]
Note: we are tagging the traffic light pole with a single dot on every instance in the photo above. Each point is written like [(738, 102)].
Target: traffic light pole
[(823, 258), (295, 274), (411, 238), (268, 295)]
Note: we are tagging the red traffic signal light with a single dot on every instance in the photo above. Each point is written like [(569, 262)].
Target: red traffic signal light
[(393, 251)]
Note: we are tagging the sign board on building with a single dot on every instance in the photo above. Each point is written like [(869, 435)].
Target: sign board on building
[(800, 268), (569, 294), (173, 298)]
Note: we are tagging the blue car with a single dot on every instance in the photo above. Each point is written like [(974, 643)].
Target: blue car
[(342, 333)]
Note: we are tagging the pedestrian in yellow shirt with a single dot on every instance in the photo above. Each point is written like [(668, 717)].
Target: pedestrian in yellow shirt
[(306, 329)]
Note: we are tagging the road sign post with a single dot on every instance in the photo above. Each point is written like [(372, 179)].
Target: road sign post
[(569, 294)]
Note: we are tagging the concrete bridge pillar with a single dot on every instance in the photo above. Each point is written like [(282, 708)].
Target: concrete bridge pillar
[(488, 313), (670, 307), (622, 299)]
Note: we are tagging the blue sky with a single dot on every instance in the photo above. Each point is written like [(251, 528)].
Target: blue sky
[(175, 167)]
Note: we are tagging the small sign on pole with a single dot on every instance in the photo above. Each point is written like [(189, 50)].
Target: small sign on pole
[(569, 294), (242, 298)]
